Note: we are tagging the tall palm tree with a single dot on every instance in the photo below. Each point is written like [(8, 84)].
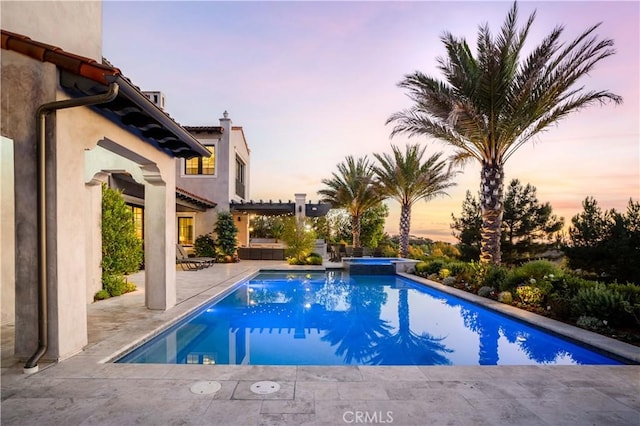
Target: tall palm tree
[(406, 179), (352, 187), (490, 105)]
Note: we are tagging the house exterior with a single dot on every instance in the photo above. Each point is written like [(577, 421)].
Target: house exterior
[(217, 182), (80, 122), (222, 178)]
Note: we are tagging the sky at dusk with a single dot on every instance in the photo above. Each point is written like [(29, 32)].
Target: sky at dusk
[(313, 82)]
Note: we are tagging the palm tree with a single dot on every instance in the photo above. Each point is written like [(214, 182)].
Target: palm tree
[(352, 188), (406, 179), (490, 105)]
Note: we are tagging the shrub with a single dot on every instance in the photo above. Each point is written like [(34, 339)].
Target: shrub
[(449, 281), (299, 239), (421, 268), (121, 247), (599, 302), (434, 267), (115, 285), (538, 269), (226, 231), (444, 273), (204, 246), (457, 268), (494, 276), (505, 297), (485, 291), (592, 323), (101, 295), (314, 259), (530, 296)]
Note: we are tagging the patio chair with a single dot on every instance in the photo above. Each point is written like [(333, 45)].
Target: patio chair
[(192, 263)]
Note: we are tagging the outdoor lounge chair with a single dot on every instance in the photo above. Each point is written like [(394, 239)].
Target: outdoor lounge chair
[(192, 263)]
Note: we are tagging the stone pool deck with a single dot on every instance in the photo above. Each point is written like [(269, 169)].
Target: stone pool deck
[(86, 390)]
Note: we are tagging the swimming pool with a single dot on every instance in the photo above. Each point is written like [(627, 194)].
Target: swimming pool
[(333, 318)]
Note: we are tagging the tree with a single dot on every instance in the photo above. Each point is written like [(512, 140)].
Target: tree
[(226, 232), (406, 179), (300, 239), (467, 228), (121, 248), (606, 242), (353, 189), (371, 225), (528, 226), (490, 105)]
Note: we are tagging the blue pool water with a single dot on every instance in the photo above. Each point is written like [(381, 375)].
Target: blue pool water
[(335, 319)]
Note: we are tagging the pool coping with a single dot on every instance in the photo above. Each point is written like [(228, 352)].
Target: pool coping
[(621, 351)]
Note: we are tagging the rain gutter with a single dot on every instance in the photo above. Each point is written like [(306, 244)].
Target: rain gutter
[(41, 118)]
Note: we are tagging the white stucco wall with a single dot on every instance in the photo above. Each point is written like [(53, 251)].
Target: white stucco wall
[(219, 188), (7, 234), (238, 146), (78, 132), (75, 26)]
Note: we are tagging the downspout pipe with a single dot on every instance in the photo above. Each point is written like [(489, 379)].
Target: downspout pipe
[(41, 119)]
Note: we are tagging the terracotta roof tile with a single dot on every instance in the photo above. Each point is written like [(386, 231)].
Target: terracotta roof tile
[(193, 197), (76, 64)]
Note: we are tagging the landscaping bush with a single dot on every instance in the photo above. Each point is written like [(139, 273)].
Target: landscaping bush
[(121, 248), (457, 268), (314, 259), (505, 297), (421, 268), (539, 268), (433, 267), (204, 246), (486, 291), (101, 295), (494, 276), (592, 324), (226, 232), (529, 295), (444, 273), (115, 285), (449, 281), (600, 302)]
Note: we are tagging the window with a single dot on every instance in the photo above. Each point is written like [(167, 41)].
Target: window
[(201, 165), (185, 231), (240, 177), (138, 220)]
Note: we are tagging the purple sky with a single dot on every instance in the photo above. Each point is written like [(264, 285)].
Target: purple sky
[(313, 82)]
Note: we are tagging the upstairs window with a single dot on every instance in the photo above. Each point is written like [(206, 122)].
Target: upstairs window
[(202, 165), (240, 177)]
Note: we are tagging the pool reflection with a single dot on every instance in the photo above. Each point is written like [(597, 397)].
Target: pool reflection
[(335, 319)]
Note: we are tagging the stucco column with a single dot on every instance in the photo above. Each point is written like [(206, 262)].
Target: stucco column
[(301, 211), (160, 245), (7, 232)]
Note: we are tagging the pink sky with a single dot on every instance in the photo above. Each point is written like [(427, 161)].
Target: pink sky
[(313, 82)]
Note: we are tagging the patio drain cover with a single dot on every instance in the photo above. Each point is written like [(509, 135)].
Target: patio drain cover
[(205, 388), (265, 387)]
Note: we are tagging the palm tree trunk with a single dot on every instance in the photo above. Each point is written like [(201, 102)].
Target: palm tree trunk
[(492, 185), (355, 230), (405, 227)]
